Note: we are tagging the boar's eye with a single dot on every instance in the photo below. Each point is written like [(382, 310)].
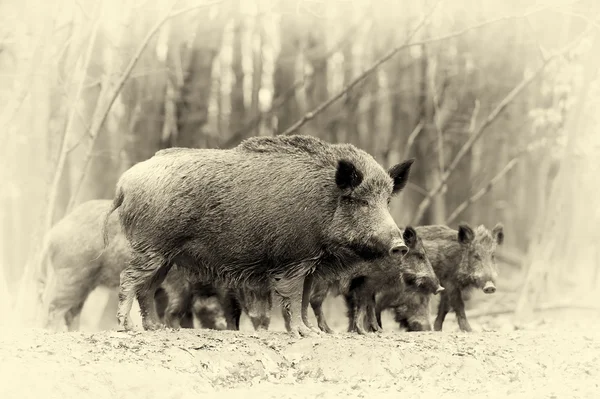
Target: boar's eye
[(389, 200), (355, 201), (477, 257), (362, 202)]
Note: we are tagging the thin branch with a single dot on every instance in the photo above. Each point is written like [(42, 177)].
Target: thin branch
[(477, 196), (320, 108), (417, 188), (491, 118), (412, 137)]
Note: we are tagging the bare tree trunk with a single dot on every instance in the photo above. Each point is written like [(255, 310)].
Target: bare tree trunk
[(560, 245), (316, 89), (238, 109), (351, 102), (428, 144), (285, 69), (192, 107), (257, 71)]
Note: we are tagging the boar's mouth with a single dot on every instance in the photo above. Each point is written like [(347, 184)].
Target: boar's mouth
[(367, 252), (420, 284)]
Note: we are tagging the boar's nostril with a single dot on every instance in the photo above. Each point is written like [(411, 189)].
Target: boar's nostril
[(489, 288), (401, 250)]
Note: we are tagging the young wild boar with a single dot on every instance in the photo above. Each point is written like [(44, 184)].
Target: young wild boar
[(370, 279), (189, 298), (410, 307), (462, 260), (257, 304), (75, 255), (263, 214)]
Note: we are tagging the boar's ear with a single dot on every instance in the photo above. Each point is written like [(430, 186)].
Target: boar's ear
[(410, 237), (347, 176), (465, 233), (498, 233), (399, 173)]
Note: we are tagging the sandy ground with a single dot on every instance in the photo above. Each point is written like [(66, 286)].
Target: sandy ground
[(557, 359)]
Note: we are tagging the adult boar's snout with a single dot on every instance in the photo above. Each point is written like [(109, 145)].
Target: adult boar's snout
[(399, 249)]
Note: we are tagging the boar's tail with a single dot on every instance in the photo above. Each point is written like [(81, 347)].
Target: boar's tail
[(119, 196)]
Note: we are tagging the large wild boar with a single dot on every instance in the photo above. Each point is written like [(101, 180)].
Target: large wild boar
[(263, 214)]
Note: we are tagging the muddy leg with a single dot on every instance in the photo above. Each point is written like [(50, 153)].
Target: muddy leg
[(458, 305), (141, 279), (443, 310), (291, 292)]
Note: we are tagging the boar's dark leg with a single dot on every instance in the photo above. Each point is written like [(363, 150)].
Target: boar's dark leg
[(443, 309), (290, 290), (356, 314), (73, 317), (232, 309), (356, 306), (378, 316), (372, 321), (316, 302), (350, 304), (458, 305), (360, 316), (179, 303), (306, 291)]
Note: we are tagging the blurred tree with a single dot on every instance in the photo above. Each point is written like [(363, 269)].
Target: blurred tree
[(560, 256), (194, 95), (285, 69), (237, 120)]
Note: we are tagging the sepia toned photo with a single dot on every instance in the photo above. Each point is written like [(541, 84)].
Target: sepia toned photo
[(299, 199)]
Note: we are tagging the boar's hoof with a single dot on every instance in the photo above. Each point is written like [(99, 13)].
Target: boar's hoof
[(315, 330), (152, 325), (302, 331)]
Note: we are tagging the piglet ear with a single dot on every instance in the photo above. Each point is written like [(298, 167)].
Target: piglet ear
[(498, 233), (465, 233), (347, 175), (410, 237), (399, 173)]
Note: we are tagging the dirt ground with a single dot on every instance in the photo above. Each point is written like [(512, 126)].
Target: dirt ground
[(559, 358)]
